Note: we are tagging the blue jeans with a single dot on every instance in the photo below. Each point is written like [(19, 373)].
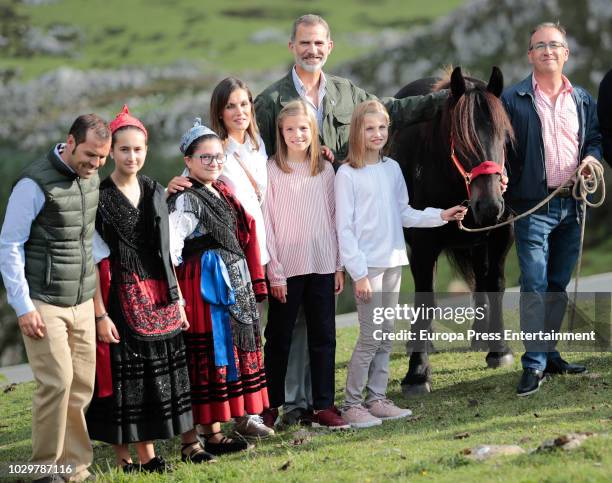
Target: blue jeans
[(547, 245)]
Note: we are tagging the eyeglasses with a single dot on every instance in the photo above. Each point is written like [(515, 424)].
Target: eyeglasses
[(541, 46), (207, 159)]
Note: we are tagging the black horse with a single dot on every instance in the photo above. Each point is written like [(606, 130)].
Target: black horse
[(474, 129)]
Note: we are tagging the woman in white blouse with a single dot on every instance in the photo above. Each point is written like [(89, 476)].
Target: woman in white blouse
[(232, 117)]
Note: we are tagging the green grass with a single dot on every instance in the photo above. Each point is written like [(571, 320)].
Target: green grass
[(156, 32), (466, 398)]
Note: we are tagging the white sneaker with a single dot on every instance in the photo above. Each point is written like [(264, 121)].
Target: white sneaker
[(359, 417), (252, 426), (385, 409)]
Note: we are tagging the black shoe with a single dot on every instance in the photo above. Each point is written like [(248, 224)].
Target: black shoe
[(530, 382), (225, 446), (292, 417), (129, 467), (560, 366), (307, 417), (194, 453), (156, 465)]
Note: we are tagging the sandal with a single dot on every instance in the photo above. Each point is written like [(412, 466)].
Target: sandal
[(225, 446), (196, 454)]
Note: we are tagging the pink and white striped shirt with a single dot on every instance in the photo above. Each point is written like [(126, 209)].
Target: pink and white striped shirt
[(560, 129), (300, 218)]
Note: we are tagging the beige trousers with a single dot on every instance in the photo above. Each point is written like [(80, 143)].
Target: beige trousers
[(369, 364), (64, 365)]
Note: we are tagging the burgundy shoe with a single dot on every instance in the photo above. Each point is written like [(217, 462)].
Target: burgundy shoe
[(269, 417), (329, 418)]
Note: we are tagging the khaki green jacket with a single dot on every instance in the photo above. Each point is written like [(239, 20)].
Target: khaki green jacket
[(341, 97)]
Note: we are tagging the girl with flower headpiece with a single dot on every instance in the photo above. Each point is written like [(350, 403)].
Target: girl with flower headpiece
[(217, 257), (142, 391)]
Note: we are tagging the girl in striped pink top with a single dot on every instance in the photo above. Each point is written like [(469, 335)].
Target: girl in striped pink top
[(304, 267)]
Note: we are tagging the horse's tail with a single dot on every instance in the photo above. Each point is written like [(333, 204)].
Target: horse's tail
[(461, 261)]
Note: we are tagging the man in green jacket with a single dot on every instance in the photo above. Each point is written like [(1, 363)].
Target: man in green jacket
[(46, 260), (332, 100)]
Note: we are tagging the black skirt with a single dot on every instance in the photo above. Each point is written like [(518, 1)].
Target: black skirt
[(151, 392)]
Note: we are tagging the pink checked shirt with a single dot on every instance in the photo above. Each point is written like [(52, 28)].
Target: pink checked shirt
[(559, 132)]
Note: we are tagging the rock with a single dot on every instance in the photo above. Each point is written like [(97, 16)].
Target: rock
[(489, 451), (269, 35), (58, 40), (482, 33), (301, 437), (566, 442)]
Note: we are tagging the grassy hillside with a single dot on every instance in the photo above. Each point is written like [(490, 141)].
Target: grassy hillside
[(114, 33), (470, 406)]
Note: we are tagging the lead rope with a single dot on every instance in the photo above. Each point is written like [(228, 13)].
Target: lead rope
[(583, 187)]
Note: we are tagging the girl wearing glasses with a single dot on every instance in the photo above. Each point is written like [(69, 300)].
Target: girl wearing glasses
[(213, 244), (232, 117)]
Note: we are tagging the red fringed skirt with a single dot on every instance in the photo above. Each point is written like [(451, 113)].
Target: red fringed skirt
[(214, 399)]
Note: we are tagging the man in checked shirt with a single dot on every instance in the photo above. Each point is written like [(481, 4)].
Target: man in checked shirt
[(556, 128)]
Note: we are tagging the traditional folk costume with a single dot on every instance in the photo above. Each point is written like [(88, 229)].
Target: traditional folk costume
[(214, 240), (142, 382)]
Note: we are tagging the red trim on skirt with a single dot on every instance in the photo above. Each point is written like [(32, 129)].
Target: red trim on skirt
[(214, 399)]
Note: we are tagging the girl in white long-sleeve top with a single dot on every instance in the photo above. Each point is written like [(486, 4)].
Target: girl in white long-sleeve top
[(371, 208)]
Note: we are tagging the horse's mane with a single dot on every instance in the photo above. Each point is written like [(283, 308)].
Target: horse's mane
[(462, 119)]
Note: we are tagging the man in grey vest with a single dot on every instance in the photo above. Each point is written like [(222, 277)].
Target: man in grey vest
[(50, 279)]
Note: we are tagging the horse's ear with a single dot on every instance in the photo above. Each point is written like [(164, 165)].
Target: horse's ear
[(457, 83), (496, 82)]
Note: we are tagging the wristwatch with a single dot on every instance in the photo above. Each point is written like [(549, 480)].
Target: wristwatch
[(181, 302)]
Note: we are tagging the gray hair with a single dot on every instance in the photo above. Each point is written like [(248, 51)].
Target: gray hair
[(309, 19), (549, 25)]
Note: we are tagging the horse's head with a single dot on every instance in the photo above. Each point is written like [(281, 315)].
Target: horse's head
[(479, 131)]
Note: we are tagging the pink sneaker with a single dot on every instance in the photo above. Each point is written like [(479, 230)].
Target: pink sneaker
[(385, 409), (329, 418), (359, 417)]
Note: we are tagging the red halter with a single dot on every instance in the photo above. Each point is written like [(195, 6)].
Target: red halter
[(486, 167)]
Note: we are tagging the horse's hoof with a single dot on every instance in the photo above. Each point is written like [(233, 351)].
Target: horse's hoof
[(495, 360), (411, 390)]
